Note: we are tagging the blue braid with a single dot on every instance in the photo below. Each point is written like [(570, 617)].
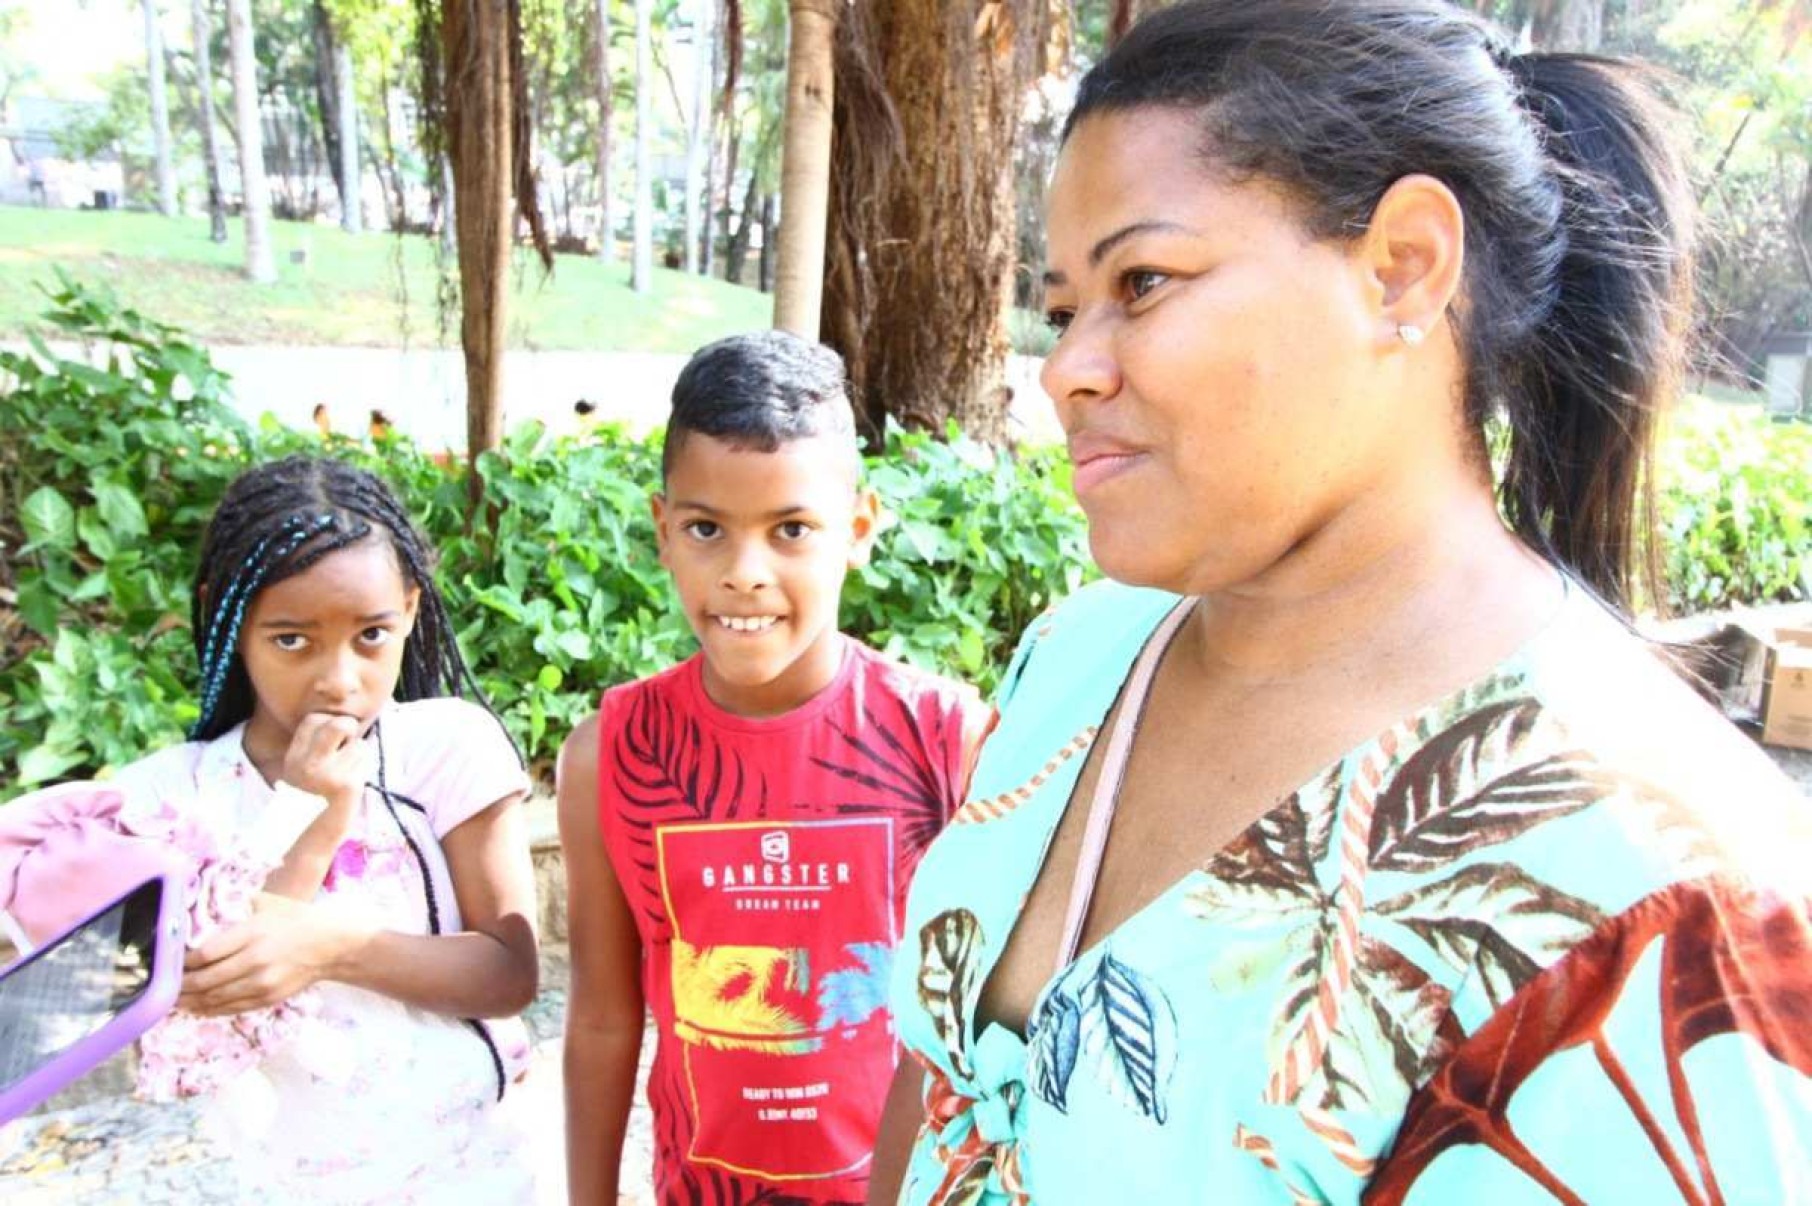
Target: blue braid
[(222, 605), (217, 661)]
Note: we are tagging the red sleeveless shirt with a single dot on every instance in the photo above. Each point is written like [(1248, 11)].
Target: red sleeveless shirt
[(766, 862)]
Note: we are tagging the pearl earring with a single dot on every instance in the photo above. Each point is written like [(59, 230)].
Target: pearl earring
[(1410, 334)]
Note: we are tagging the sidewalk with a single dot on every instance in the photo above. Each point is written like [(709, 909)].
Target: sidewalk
[(120, 1152)]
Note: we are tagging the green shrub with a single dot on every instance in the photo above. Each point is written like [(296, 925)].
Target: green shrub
[(1736, 509), (559, 597), (111, 464)]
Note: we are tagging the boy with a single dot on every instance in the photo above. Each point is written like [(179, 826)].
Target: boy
[(739, 830)]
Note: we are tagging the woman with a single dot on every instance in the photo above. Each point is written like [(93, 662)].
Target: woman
[(1400, 868)]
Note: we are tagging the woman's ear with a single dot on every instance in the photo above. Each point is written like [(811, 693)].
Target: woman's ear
[(1415, 248), (412, 602)]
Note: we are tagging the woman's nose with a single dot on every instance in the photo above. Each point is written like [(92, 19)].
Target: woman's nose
[(1082, 367)]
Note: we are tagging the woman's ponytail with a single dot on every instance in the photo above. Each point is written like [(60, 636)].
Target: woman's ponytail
[(1582, 396)]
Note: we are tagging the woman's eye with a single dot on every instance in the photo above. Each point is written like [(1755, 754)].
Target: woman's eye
[(1141, 281), (376, 637), (290, 642), (794, 529), (1058, 320), (703, 529)]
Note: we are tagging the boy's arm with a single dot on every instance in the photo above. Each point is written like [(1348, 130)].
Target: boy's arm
[(605, 1009), (901, 1119)]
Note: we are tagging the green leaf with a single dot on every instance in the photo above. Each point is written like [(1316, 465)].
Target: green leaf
[(550, 677), (49, 519), (44, 763), (120, 508)]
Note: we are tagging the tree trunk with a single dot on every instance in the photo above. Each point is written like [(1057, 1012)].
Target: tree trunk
[(707, 250), (641, 264), (736, 253), (764, 266), (160, 112), (202, 32), (479, 132), (327, 91), (1569, 25), (600, 58), (922, 265), (805, 165), (399, 193), (696, 180), (449, 243), (259, 264), (352, 205)]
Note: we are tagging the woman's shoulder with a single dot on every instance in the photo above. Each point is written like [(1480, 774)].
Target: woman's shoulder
[(1099, 627), (1599, 715)]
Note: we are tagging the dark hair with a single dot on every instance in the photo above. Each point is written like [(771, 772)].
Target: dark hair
[(1577, 282), (276, 521), (760, 391)]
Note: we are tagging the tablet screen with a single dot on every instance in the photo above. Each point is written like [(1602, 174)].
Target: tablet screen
[(68, 990)]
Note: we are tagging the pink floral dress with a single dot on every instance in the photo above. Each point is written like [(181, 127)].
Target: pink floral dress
[(341, 1095)]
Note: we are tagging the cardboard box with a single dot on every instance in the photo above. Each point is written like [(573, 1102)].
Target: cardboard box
[(1786, 704)]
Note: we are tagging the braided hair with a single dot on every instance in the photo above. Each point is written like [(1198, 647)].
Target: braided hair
[(275, 522)]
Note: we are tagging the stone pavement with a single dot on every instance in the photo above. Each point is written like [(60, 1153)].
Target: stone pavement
[(114, 1151)]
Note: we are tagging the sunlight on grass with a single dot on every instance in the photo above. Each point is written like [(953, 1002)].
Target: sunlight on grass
[(363, 290)]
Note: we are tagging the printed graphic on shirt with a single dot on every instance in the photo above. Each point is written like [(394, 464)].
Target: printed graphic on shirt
[(782, 940)]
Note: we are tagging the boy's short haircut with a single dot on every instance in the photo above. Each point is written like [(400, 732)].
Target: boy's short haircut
[(759, 391)]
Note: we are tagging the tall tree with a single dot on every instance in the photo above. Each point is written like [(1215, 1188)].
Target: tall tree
[(260, 266), (641, 263), (922, 260), (805, 165), (352, 216), (160, 111), (475, 112), (202, 32), (1573, 25), (696, 129), (600, 58)]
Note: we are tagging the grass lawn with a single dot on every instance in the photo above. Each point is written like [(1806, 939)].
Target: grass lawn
[(351, 290)]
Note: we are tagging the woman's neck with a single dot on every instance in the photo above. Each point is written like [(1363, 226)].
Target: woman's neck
[(1371, 589)]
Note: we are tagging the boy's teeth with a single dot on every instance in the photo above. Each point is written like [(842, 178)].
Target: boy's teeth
[(747, 623)]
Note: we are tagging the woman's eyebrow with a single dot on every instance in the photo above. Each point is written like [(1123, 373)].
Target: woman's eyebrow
[(1100, 250)]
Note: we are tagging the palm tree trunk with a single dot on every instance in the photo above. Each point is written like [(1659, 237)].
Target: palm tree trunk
[(921, 274), (202, 33), (805, 166), (600, 57), (641, 264), (352, 215), (160, 112), (259, 264), (696, 181), (480, 132)]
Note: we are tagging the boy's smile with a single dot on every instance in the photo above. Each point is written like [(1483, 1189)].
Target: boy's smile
[(758, 544)]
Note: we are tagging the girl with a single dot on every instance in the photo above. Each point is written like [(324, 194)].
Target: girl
[(404, 909)]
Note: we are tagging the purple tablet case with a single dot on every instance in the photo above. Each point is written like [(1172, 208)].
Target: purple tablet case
[(127, 1022)]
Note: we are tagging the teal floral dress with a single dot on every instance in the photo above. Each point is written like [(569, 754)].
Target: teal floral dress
[(1547, 940)]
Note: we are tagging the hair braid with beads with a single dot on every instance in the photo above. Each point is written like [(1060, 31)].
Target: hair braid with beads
[(275, 522)]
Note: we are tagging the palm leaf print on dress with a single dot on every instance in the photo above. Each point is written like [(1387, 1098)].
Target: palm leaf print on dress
[(948, 945), (1357, 1024), (1122, 1025), (1732, 961)]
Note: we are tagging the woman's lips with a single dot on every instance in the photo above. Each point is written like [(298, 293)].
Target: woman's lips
[(1095, 461)]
